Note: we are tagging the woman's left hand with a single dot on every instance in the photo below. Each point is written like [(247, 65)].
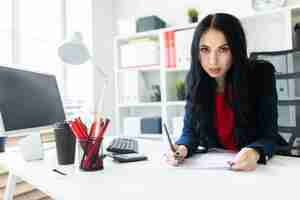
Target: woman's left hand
[(245, 160)]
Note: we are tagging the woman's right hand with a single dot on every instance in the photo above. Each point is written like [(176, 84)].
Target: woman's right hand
[(175, 158)]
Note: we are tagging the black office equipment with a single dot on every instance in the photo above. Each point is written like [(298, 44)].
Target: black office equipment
[(123, 146), (28, 100), (149, 23), (130, 157), (287, 65), (151, 125)]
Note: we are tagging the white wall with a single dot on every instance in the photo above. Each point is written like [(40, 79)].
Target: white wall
[(107, 13), (174, 12), (103, 31)]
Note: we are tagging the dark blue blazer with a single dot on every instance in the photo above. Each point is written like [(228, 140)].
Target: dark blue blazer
[(261, 135)]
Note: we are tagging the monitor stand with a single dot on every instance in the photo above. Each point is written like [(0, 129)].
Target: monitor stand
[(31, 147)]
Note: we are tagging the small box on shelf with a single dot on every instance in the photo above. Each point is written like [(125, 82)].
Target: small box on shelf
[(183, 42), (151, 125), (140, 52), (149, 23)]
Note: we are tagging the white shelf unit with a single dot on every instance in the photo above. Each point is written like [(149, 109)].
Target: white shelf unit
[(139, 82), (265, 31)]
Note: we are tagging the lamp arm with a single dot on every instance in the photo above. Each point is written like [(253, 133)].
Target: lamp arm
[(100, 101), (99, 108), (100, 70)]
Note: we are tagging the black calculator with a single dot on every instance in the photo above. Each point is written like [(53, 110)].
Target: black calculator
[(130, 157)]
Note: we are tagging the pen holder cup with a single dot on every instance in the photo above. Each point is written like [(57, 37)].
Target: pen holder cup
[(65, 144), (92, 158)]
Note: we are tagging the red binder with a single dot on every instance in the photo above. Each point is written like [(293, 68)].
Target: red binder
[(172, 50)]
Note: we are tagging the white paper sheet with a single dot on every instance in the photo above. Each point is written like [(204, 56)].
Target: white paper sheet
[(213, 160)]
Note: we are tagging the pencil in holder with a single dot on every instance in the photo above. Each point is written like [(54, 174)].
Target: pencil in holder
[(92, 159)]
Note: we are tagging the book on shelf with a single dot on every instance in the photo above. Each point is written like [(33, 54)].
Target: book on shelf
[(178, 47), (133, 88), (183, 42), (166, 40), (129, 87), (170, 51)]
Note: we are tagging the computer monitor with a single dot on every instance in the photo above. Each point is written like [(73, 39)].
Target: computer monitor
[(29, 101)]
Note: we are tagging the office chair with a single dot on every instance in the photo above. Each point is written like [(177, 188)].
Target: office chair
[(287, 66)]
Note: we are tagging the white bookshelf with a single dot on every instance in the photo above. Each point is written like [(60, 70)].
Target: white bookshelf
[(265, 31), (148, 104)]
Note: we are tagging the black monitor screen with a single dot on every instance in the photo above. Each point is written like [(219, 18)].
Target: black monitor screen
[(29, 99)]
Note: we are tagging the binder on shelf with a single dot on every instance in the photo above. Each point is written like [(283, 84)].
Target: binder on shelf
[(129, 87), (183, 41), (167, 56), (287, 116), (170, 49), (282, 89), (133, 88)]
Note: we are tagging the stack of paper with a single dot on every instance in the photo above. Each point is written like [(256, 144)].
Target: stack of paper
[(3, 170)]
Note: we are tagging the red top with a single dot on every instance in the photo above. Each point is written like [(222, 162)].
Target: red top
[(224, 122)]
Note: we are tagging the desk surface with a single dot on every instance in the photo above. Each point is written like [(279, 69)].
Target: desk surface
[(153, 180)]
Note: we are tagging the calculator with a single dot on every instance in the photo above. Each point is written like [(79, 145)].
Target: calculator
[(130, 157)]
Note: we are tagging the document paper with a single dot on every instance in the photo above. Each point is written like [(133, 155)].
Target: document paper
[(213, 160)]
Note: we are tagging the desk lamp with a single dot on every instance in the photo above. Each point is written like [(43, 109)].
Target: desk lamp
[(75, 52)]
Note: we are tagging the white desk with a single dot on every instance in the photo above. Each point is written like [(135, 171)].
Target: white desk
[(152, 180)]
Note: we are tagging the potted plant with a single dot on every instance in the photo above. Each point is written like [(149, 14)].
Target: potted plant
[(180, 90), (193, 15)]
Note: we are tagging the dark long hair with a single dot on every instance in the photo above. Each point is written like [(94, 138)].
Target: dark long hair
[(201, 87)]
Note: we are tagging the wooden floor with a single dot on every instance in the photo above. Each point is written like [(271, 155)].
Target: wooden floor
[(24, 191)]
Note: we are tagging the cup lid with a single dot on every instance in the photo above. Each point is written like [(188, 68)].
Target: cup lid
[(63, 124)]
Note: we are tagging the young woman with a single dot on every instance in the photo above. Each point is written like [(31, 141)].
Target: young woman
[(231, 100)]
